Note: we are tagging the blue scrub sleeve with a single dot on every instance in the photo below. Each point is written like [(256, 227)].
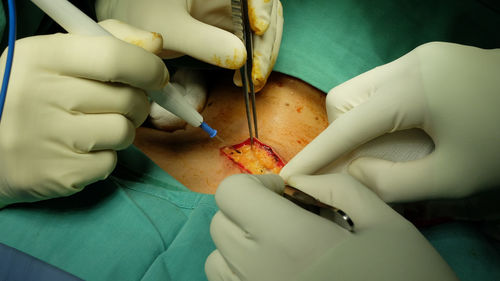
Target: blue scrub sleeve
[(16, 265)]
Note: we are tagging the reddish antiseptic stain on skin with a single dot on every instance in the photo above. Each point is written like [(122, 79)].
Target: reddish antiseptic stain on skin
[(257, 159)]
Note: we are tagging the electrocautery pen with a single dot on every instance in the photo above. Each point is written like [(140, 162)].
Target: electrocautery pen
[(75, 21)]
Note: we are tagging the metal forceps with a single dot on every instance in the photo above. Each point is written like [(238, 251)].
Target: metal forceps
[(239, 12)]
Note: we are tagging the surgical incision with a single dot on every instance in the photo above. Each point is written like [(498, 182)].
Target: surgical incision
[(258, 158)]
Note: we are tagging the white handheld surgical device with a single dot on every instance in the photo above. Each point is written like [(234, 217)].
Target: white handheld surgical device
[(75, 21)]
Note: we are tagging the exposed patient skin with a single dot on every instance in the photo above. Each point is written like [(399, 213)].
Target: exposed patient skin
[(290, 114)]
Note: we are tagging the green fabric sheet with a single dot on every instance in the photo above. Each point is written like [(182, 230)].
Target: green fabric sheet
[(139, 224), (327, 42)]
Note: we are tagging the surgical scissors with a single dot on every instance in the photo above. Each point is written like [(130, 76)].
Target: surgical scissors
[(312, 205), (239, 9)]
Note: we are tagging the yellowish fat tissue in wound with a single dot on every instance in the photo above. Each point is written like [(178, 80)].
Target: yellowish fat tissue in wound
[(258, 158)]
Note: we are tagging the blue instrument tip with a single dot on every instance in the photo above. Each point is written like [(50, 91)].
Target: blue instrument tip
[(211, 132)]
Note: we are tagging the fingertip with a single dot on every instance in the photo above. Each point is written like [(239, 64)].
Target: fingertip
[(149, 41), (215, 46), (336, 104), (230, 188), (235, 184), (231, 58), (259, 14), (285, 174), (154, 74), (369, 171), (355, 169), (98, 166), (216, 268), (258, 25), (156, 46), (237, 78), (397, 181), (304, 183), (143, 110), (261, 69), (212, 263), (166, 77), (272, 182), (266, 45), (109, 159), (123, 132)]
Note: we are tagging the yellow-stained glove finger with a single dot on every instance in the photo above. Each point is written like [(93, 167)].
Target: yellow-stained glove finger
[(149, 41), (197, 39), (266, 48), (260, 14), (209, 44)]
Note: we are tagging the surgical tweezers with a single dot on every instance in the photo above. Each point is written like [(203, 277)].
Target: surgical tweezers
[(239, 11)]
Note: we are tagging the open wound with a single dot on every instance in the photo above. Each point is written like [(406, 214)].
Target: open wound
[(257, 159)]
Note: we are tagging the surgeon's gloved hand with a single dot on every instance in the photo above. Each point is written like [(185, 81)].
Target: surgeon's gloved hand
[(72, 101), (450, 91), (262, 236), (204, 30)]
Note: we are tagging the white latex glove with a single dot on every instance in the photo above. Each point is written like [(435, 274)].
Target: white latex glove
[(450, 91), (72, 101), (262, 236), (203, 30), (192, 85)]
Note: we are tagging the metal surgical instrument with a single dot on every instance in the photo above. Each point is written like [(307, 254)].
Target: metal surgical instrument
[(311, 204), (239, 11)]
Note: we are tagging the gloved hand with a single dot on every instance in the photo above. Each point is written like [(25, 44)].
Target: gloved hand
[(203, 30), (192, 85), (262, 236), (450, 91), (72, 101)]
